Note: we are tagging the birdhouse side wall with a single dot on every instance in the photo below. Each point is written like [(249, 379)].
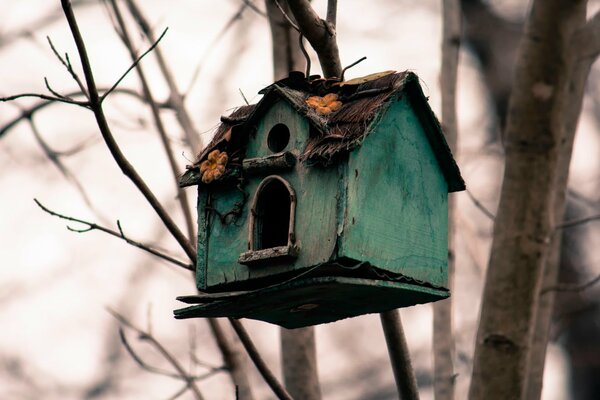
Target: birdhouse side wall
[(315, 190), (397, 207)]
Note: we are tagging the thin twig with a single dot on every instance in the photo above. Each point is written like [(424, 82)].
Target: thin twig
[(178, 393), (254, 8), (181, 193), (480, 206), (92, 226), (133, 65), (27, 113), (54, 92), (159, 371), (67, 64), (350, 66), (260, 364), (163, 351), (235, 17), (576, 222), (54, 158), (84, 104), (571, 287), (122, 162), (287, 17), (305, 53), (176, 100)]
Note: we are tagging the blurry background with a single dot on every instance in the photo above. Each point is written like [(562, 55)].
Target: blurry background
[(57, 341)]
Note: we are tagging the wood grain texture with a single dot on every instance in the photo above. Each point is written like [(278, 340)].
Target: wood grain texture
[(315, 226), (311, 301), (396, 214)]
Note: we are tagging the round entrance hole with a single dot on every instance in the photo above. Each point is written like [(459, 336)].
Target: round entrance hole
[(279, 137)]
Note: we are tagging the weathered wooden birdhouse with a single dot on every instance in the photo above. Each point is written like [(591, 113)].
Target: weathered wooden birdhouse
[(324, 201)]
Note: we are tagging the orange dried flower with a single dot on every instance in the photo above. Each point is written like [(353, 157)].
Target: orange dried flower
[(324, 105), (214, 166)]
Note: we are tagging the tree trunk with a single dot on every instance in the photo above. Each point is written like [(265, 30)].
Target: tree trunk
[(526, 213), (443, 337), (581, 70)]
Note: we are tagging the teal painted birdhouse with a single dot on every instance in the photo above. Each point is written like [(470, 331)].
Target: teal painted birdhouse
[(323, 201)]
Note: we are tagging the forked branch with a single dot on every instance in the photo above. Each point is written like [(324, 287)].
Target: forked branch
[(143, 335), (122, 162), (90, 226)]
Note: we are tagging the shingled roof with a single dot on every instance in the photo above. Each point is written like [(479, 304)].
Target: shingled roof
[(363, 100)]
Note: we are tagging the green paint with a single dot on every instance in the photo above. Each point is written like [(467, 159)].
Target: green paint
[(383, 205), (315, 228), (313, 301), (396, 215)]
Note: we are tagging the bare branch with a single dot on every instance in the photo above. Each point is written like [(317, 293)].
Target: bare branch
[(161, 349), (570, 287), (234, 18), (27, 113), (287, 17), (181, 194), (54, 158), (480, 206), (54, 92), (262, 367), (155, 370), (84, 104), (67, 64), (320, 34), (122, 162), (253, 7), (92, 226), (233, 359), (133, 65), (176, 100), (576, 222), (332, 12)]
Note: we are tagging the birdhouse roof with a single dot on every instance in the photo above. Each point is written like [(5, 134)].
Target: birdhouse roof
[(349, 113)]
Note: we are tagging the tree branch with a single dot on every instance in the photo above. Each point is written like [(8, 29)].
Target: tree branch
[(262, 367), (27, 113), (163, 351), (62, 99), (92, 226), (67, 64), (136, 61), (181, 194), (159, 371), (176, 100), (320, 34), (570, 287), (576, 222), (332, 12), (399, 355), (122, 162)]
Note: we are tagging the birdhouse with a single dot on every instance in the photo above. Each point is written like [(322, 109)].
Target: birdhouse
[(325, 200)]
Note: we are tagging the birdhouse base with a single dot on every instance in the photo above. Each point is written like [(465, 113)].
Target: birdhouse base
[(311, 301)]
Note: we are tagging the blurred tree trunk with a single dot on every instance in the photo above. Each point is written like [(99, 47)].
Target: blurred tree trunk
[(534, 134), (298, 348), (443, 337), (580, 63)]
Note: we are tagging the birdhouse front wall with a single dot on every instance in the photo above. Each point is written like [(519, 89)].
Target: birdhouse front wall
[(397, 207), (315, 191)]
